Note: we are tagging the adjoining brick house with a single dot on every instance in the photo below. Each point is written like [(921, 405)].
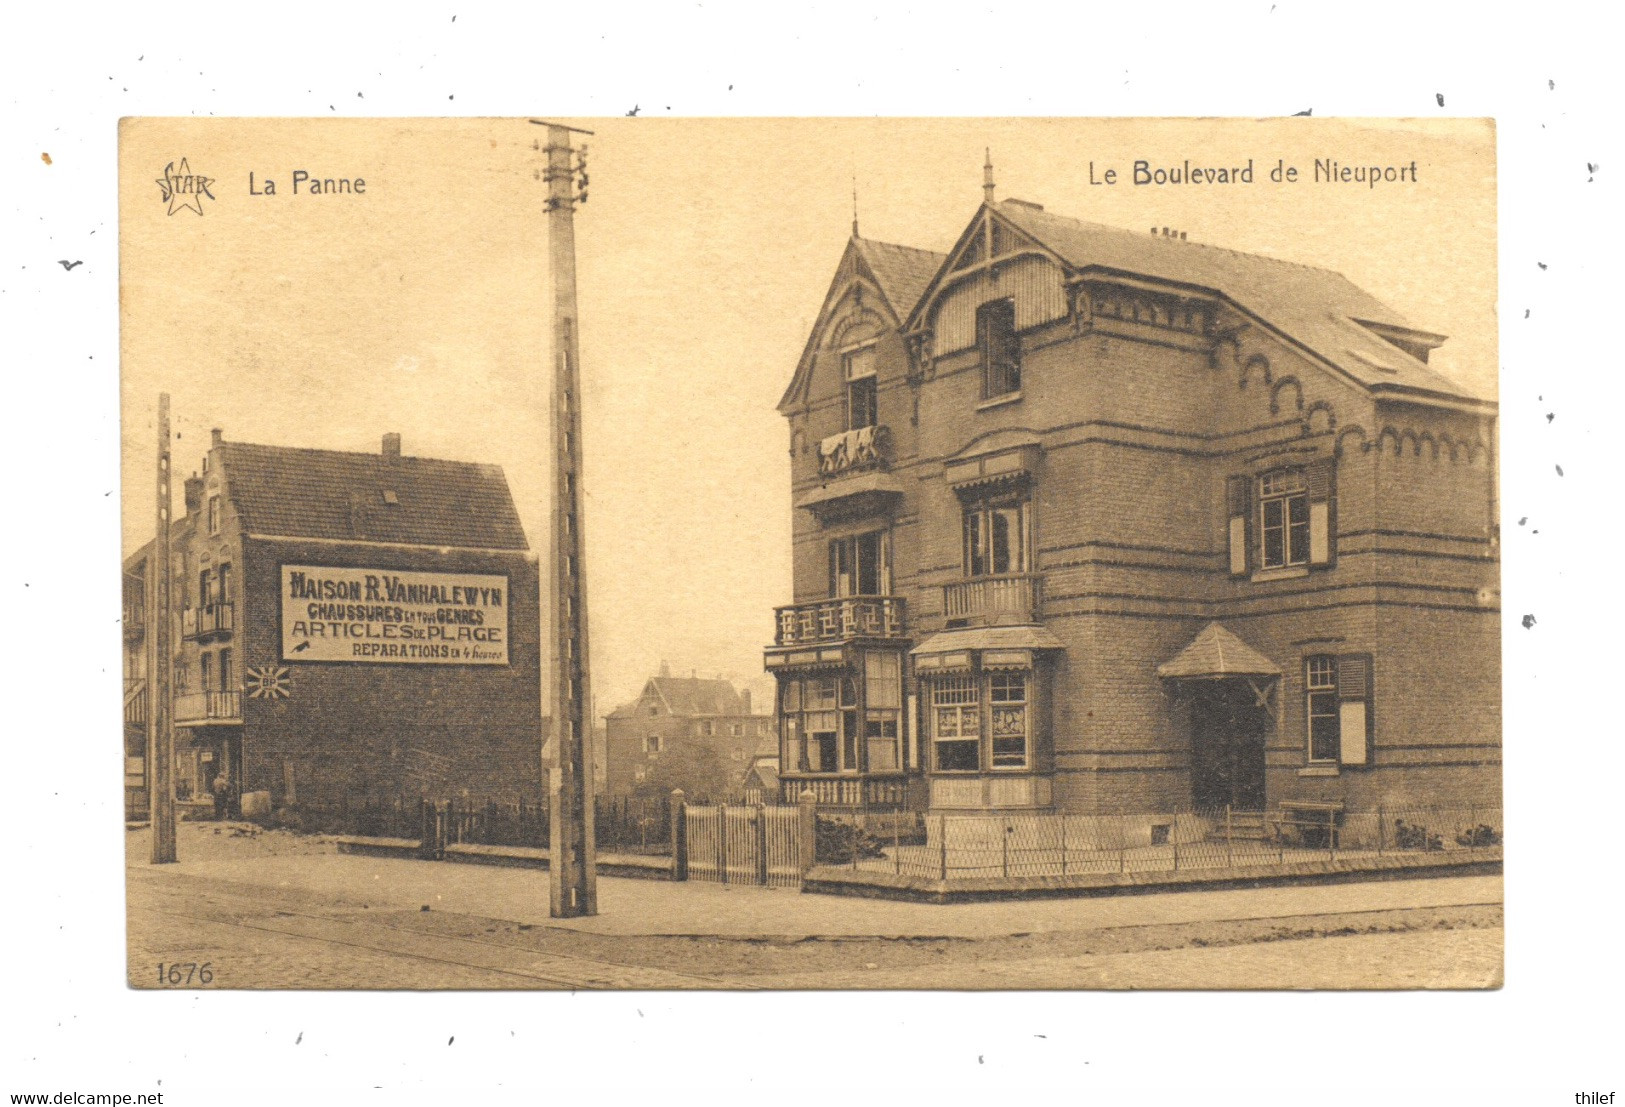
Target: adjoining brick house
[(346, 624), (1100, 521), (675, 715)]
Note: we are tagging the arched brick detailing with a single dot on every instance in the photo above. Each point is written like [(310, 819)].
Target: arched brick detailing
[(1256, 363), (1351, 429), (1318, 418), (1281, 386)]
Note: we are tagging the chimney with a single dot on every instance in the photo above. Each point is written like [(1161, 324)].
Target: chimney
[(744, 700), (216, 436), (194, 493), (665, 668), (392, 447)]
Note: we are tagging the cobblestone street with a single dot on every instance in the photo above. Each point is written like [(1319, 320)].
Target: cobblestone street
[(274, 910)]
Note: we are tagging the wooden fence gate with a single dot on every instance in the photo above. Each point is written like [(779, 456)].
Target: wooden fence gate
[(750, 844)]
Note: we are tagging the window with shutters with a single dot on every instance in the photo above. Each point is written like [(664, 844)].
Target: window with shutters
[(1281, 521), (1000, 346), (1337, 708), (1283, 514)]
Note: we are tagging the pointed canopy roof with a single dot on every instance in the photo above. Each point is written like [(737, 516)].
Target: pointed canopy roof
[(1217, 653)]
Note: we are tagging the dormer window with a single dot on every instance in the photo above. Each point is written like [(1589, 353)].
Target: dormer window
[(862, 387), (1000, 346)]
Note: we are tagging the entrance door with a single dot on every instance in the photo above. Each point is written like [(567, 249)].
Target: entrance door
[(1227, 745)]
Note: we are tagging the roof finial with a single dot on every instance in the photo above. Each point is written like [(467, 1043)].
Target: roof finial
[(854, 205), (987, 176)]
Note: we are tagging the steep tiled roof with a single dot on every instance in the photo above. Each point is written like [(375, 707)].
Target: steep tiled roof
[(903, 271), (1318, 308), (305, 493), (1217, 653), (698, 696)]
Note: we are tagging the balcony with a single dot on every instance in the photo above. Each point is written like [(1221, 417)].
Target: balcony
[(854, 450), (837, 620), (1010, 599), (198, 708), (847, 791), (215, 620)]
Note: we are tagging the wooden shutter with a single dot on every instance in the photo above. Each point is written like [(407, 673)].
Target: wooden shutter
[(1239, 502), (1318, 480), (1354, 716)]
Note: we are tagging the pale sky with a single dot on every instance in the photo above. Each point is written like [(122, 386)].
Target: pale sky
[(704, 253)]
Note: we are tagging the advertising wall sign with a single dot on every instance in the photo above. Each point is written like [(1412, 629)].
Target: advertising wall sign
[(383, 616)]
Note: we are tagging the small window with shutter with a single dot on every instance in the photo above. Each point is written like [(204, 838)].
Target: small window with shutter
[(1337, 708)]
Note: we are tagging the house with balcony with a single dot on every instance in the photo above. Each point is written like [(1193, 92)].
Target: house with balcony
[(1098, 521), (345, 624)]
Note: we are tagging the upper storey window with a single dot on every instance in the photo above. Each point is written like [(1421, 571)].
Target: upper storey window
[(1000, 348), (995, 538), (1281, 521), (862, 391), (1283, 509)]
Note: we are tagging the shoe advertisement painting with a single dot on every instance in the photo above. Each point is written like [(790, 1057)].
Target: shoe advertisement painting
[(678, 554)]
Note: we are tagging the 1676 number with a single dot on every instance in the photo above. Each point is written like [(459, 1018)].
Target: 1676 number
[(182, 974)]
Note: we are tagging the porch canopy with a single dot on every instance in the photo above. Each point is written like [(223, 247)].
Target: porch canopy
[(999, 647), (1215, 654)]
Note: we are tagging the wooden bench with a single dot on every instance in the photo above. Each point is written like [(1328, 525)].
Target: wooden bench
[(1302, 818)]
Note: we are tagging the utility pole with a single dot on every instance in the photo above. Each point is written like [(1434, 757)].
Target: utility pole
[(573, 862), (161, 665)]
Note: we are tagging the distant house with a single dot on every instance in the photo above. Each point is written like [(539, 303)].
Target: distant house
[(687, 732)]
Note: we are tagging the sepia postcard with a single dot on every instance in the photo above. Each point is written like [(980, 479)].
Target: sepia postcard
[(810, 553)]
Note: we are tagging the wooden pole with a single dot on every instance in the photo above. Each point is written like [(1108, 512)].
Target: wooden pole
[(160, 730), (573, 862)]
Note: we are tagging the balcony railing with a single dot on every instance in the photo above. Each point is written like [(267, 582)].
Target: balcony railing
[(211, 619), (852, 450), (1013, 598), (135, 702), (848, 791), (834, 620), (215, 706)]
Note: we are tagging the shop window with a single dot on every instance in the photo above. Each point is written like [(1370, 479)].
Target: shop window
[(956, 724), (1337, 708), (862, 388), (1000, 347), (1007, 697), (858, 565), (996, 539)]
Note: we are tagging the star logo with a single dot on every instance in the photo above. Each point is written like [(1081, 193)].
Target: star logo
[(269, 682), (181, 188)]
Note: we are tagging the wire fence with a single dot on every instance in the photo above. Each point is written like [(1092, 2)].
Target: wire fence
[(622, 824), (947, 847)]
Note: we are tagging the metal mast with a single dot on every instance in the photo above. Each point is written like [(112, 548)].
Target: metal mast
[(161, 664), (573, 864)]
